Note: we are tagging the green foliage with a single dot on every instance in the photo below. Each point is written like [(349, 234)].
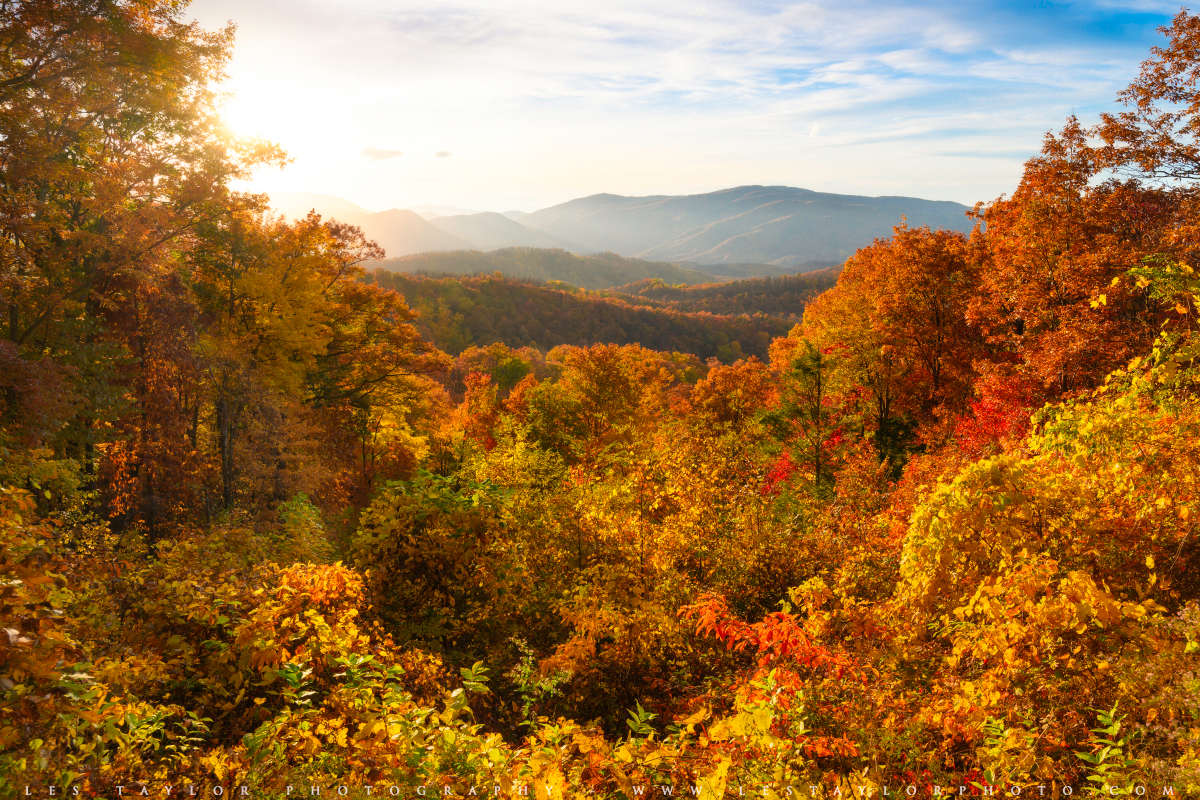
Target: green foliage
[(531, 685), (639, 722), (302, 537), (1109, 764), (436, 560), (808, 418)]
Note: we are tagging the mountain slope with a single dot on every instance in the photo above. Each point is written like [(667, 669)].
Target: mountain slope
[(778, 225), (402, 232), (735, 271), (399, 231), (783, 297), (430, 212), (489, 231)]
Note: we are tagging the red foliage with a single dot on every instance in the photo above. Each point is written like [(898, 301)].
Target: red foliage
[(1001, 414), (779, 473), (779, 636)]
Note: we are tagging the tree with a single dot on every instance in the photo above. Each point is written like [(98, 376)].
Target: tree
[(1159, 136), (809, 414), (111, 151), (287, 325), (111, 157), (1048, 301), (612, 384), (731, 395), (898, 319)]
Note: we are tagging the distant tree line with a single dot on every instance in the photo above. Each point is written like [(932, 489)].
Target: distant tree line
[(596, 271), (783, 296)]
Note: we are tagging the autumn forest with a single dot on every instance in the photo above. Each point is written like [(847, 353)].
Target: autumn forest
[(276, 523)]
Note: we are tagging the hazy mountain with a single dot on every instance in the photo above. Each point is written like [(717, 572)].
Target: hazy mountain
[(296, 205), (602, 271), (430, 212), (401, 232), (489, 231), (777, 225), (750, 231), (420, 229)]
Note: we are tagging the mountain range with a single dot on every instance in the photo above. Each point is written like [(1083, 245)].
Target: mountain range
[(784, 228)]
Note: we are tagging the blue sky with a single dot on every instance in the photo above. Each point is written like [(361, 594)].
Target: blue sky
[(524, 103)]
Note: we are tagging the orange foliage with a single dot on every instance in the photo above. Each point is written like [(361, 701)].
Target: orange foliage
[(1055, 249), (732, 395)]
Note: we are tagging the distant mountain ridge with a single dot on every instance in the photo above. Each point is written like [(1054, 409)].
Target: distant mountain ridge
[(398, 231), (784, 228), (778, 225)]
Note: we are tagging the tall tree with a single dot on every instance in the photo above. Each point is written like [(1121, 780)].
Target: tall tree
[(808, 418), (1048, 301), (898, 319), (111, 156)]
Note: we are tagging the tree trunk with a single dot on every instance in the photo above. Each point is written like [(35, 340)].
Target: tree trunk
[(225, 445)]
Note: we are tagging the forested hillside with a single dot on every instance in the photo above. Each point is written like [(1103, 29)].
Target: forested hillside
[(259, 538), (599, 271), (455, 313)]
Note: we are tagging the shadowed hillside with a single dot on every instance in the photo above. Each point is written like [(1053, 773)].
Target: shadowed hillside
[(783, 297), (458, 312)]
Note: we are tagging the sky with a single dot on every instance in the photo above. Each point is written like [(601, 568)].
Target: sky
[(522, 104)]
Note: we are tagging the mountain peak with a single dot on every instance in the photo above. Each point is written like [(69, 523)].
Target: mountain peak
[(743, 224)]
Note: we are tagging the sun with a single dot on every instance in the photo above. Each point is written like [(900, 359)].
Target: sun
[(250, 114), (267, 109)]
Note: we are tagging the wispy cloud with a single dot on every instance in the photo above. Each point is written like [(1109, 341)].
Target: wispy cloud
[(442, 154), (545, 101), (376, 154)]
